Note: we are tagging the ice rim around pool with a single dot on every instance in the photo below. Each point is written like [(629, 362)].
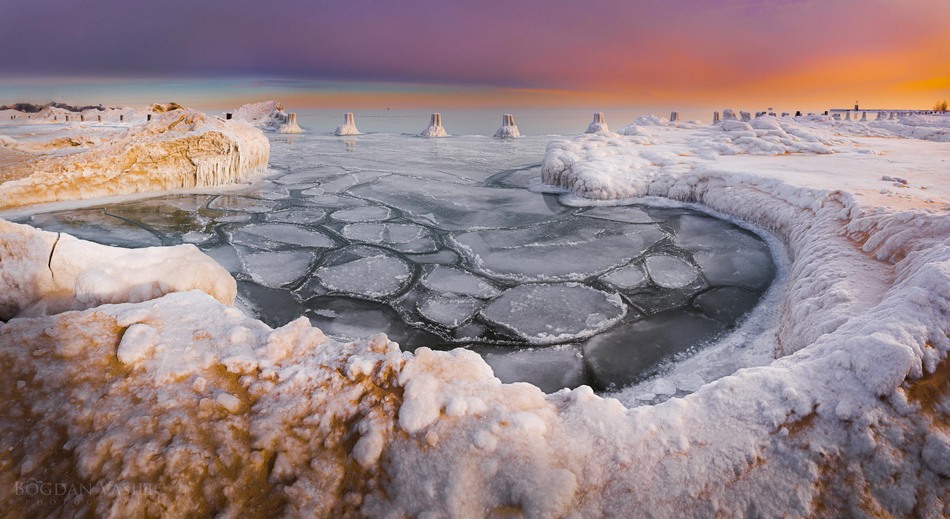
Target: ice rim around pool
[(313, 241)]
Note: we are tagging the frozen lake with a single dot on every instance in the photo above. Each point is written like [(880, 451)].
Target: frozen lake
[(442, 243)]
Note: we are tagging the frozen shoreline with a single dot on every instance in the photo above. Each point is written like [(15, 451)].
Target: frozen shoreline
[(837, 424)]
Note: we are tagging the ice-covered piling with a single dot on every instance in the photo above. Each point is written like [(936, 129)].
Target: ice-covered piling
[(674, 117), (508, 129), (847, 116), (798, 113), (890, 116), (599, 124), (729, 115), (435, 128), (716, 119), (228, 116), (746, 116), (148, 117), (290, 126), (864, 116), (349, 125), (99, 117), (121, 118)]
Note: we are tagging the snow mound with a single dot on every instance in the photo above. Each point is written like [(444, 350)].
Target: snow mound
[(47, 273), (177, 149)]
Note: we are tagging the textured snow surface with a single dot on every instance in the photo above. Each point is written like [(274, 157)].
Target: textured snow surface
[(220, 414)]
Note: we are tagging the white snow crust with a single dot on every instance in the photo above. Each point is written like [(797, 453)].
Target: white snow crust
[(220, 414)]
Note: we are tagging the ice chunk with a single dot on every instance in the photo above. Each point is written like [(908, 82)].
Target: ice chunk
[(625, 278), (670, 271), (457, 281), (560, 251), (551, 369), (726, 304), (242, 204), (725, 254), (449, 311), (399, 236), (256, 234), (95, 225), (629, 214), (226, 256), (462, 207), (346, 318), (552, 313), (634, 351), (362, 214), (309, 215), (276, 269), (273, 306), (374, 276)]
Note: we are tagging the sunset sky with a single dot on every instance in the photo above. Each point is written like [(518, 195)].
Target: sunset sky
[(412, 53)]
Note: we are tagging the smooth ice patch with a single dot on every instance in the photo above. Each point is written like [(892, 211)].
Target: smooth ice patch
[(625, 278), (280, 233), (448, 311), (276, 269), (457, 281), (552, 313), (620, 214), (551, 369), (362, 214), (374, 276), (670, 271), (400, 236)]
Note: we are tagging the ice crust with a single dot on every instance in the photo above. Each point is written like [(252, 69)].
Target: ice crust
[(845, 416)]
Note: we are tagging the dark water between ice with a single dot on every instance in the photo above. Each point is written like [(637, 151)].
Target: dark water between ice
[(438, 243)]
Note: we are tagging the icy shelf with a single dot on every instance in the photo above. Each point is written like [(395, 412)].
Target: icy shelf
[(415, 238)]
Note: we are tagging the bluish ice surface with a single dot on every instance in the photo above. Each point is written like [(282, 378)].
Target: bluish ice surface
[(438, 243)]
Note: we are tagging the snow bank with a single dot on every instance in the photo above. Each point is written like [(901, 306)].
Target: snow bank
[(47, 273), (265, 114), (177, 149)]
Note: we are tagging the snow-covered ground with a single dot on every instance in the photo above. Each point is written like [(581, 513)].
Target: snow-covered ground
[(843, 410)]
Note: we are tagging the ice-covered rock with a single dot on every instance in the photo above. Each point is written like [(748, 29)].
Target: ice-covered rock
[(178, 149), (435, 128), (598, 125), (45, 273), (349, 125), (508, 129), (264, 114)]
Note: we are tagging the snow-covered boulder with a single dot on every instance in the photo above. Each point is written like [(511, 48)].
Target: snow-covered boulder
[(264, 114), (178, 149)]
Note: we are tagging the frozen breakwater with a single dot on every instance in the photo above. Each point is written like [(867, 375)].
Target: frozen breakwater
[(222, 414), (180, 148)]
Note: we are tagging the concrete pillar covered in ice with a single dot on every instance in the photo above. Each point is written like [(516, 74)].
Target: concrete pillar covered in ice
[(290, 126), (728, 115), (228, 116), (847, 115), (82, 118), (599, 124), (148, 117), (674, 117), (785, 114), (67, 118), (716, 119), (836, 117), (349, 125), (759, 114), (746, 116), (890, 116), (798, 113), (508, 129), (864, 116), (435, 128), (99, 117), (121, 118)]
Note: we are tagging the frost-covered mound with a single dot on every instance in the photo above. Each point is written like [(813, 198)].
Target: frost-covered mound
[(265, 114), (47, 273), (178, 148)]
